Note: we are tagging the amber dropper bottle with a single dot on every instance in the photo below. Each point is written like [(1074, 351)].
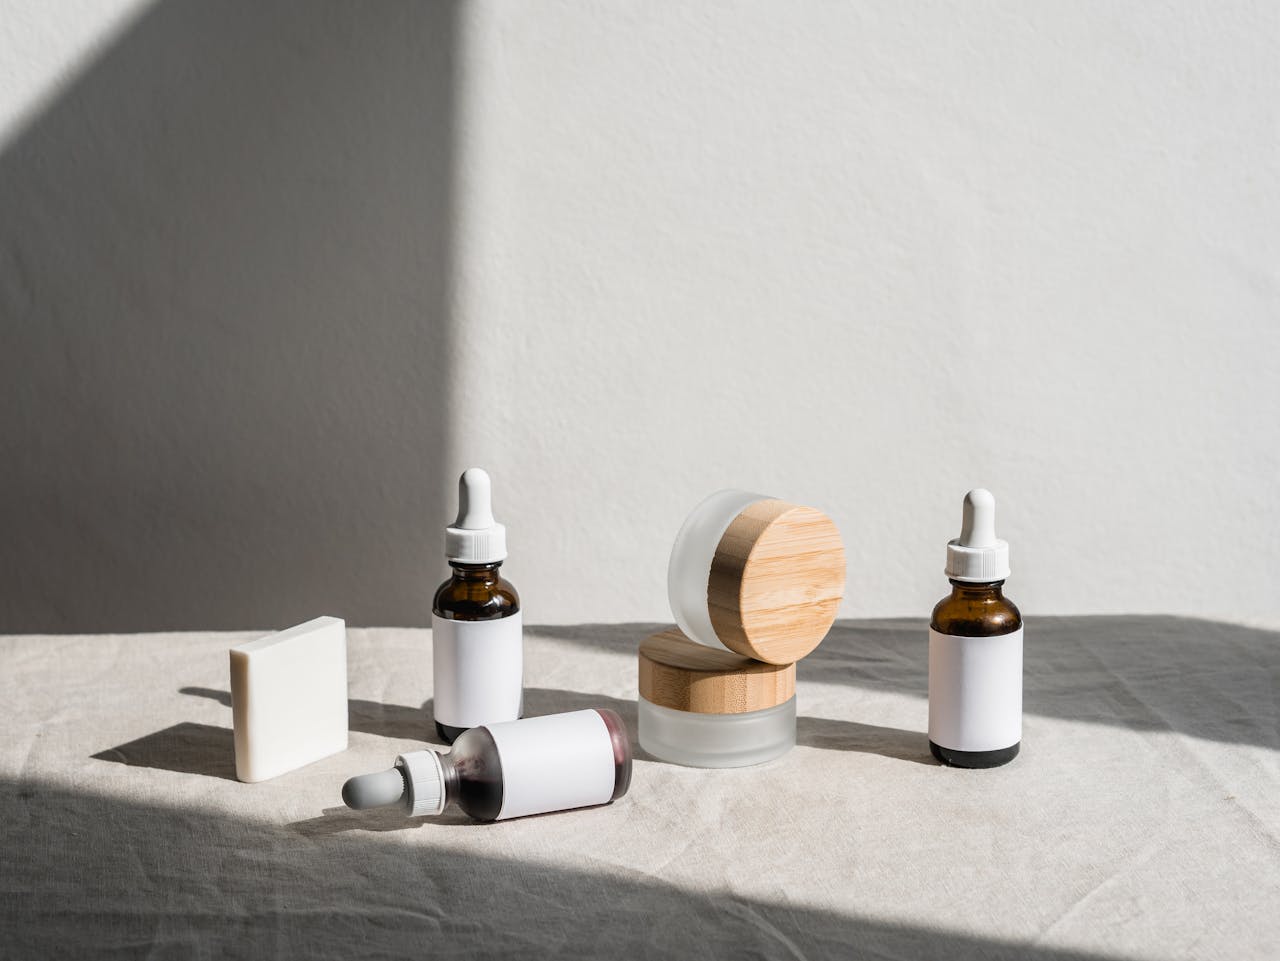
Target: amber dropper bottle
[(975, 649), (477, 643)]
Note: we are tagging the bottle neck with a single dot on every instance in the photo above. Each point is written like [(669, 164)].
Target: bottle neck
[(450, 788), (475, 573), (989, 590)]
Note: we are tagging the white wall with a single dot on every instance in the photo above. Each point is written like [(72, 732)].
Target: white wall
[(271, 275), (866, 256)]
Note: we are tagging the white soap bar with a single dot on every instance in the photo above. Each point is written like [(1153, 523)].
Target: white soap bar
[(289, 698)]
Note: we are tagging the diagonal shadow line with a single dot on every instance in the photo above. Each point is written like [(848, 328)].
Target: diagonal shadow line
[(1203, 678), (309, 896)]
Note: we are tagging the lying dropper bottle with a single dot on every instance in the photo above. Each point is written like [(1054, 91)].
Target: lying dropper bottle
[(509, 769)]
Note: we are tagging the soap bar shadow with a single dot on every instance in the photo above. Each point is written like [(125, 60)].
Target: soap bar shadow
[(367, 717), (185, 748)]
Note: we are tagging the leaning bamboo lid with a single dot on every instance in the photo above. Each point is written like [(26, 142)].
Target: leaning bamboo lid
[(678, 673), (757, 576)]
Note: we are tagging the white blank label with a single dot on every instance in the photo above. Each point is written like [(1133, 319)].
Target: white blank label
[(479, 670), (554, 763), (975, 691)]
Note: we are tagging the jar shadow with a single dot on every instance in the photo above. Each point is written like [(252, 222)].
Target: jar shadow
[(826, 733)]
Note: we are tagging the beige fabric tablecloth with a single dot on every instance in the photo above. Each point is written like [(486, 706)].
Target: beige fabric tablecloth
[(1140, 821)]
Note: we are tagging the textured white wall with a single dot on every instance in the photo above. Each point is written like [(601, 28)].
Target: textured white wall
[(271, 275), (866, 256), (43, 48)]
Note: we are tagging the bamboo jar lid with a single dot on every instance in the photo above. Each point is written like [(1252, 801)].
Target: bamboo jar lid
[(776, 581), (680, 674)]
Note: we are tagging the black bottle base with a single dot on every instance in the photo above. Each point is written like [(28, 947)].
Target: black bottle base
[(448, 734), (972, 758)]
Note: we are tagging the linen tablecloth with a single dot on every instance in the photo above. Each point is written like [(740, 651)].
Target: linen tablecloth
[(1140, 821)]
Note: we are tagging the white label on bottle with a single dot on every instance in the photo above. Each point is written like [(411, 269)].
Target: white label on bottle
[(975, 691), (554, 763), (479, 670)]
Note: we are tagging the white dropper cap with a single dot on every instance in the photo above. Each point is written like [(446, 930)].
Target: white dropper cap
[(416, 781), (977, 555), (475, 537)]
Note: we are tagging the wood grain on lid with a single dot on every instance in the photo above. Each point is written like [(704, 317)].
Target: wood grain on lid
[(776, 581), (678, 673)]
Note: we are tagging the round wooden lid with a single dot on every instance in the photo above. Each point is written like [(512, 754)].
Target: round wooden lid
[(776, 581), (683, 675)]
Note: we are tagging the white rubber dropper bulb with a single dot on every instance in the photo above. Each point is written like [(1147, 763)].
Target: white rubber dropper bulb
[(979, 526), (475, 500)]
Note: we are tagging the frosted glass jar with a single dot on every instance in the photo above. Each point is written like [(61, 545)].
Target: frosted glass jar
[(713, 708), (717, 740), (756, 576)]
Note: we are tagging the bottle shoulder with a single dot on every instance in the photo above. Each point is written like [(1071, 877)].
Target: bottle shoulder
[(476, 774), (975, 617), (463, 600)]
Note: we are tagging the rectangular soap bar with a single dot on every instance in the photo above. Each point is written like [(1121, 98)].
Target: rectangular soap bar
[(289, 698)]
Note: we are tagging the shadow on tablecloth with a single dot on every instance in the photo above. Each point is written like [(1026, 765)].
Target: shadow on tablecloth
[(89, 875), (1203, 678), (404, 721)]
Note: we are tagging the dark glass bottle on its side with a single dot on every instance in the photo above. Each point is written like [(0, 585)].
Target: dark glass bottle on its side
[(473, 768), (975, 610), (555, 763), (475, 592)]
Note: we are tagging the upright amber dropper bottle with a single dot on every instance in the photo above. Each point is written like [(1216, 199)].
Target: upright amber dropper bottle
[(477, 640), (975, 649)]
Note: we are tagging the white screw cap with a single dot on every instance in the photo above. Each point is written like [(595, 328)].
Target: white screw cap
[(423, 782), (475, 537), (977, 555)]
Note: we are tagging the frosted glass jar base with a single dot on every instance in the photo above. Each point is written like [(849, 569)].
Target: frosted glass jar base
[(717, 740)]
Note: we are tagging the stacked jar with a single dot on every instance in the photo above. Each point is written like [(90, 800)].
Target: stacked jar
[(754, 585)]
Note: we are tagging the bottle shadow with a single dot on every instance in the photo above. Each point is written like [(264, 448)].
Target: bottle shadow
[(340, 820), (893, 742)]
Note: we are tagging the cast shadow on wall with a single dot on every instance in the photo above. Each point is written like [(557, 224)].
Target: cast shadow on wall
[(223, 323)]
